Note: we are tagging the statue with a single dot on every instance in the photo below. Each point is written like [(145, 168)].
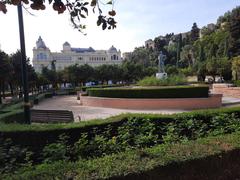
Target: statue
[(161, 71), (161, 59)]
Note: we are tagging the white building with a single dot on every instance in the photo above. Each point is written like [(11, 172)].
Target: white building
[(42, 56), (150, 44)]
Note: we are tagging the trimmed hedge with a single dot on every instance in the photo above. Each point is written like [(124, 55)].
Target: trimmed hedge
[(162, 128), (85, 88), (164, 92), (208, 158), (14, 116)]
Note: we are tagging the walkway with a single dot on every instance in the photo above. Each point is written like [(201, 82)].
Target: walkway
[(87, 113)]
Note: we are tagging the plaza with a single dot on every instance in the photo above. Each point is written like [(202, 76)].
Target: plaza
[(85, 113)]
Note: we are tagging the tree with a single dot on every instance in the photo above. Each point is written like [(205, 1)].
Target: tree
[(194, 33), (132, 72), (212, 67), (179, 47), (187, 56), (235, 32), (141, 56), (201, 70), (50, 75), (77, 9), (5, 68), (236, 68), (224, 68), (84, 73)]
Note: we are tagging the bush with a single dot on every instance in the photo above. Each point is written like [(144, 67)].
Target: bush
[(48, 95), (207, 158), (14, 116), (237, 83), (165, 92), (119, 134), (169, 81), (85, 88)]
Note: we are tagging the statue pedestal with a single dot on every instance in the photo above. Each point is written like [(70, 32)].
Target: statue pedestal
[(161, 75)]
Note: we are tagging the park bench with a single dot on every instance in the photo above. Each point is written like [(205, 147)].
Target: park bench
[(51, 116)]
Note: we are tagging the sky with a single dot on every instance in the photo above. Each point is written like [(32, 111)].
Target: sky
[(137, 21)]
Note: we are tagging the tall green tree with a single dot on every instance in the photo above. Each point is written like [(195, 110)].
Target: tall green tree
[(5, 71), (179, 47), (235, 32), (194, 33)]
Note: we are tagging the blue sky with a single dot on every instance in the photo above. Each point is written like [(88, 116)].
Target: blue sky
[(137, 22)]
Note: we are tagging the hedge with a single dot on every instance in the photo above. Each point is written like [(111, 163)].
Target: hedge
[(164, 92), (85, 88), (14, 116), (130, 131), (13, 112), (206, 158)]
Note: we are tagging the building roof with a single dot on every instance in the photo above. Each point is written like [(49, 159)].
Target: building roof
[(40, 43), (82, 50), (112, 49), (66, 44)]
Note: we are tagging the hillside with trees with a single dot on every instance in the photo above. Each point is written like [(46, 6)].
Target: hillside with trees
[(212, 50)]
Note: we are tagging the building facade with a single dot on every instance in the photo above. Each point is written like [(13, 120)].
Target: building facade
[(43, 57), (150, 44)]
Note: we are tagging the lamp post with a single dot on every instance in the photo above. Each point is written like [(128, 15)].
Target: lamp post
[(24, 66)]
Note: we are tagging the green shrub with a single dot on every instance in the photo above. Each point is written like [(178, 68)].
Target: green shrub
[(207, 158), (169, 81), (56, 151), (13, 156), (48, 95), (85, 88), (237, 83), (14, 116), (117, 135), (164, 92)]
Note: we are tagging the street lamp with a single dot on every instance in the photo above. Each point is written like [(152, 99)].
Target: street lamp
[(24, 66)]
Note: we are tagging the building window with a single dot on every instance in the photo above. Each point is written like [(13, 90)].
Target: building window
[(63, 58), (41, 56)]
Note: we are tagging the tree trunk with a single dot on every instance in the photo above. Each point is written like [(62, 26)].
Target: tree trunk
[(3, 90), (0, 95), (11, 89)]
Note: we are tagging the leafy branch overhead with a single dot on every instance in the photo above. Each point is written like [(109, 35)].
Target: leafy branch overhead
[(78, 10)]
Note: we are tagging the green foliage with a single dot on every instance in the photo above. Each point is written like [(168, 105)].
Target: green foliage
[(129, 132), (13, 156), (56, 151), (237, 83), (236, 68), (212, 157), (235, 32), (14, 116), (154, 92), (169, 81), (48, 95)]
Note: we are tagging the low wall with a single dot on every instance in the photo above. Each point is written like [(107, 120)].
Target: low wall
[(214, 101), (226, 90)]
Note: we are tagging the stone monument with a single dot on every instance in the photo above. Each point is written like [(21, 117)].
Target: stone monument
[(161, 71)]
